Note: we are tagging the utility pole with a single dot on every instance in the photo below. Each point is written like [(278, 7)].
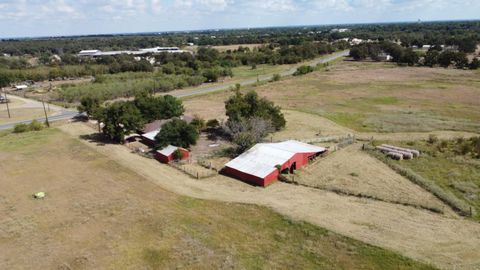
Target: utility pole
[(45, 111), (6, 102)]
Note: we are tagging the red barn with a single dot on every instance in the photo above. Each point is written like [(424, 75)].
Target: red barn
[(166, 154), (260, 164)]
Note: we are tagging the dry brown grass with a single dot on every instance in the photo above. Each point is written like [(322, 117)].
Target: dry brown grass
[(352, 171), (235, 47), (444, 241), (375, 97), (101, 215)]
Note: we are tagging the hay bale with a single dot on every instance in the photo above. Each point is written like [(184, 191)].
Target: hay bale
[(415, 153), (394, 155)]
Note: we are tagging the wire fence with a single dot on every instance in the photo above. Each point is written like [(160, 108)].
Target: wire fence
[(190, 170)]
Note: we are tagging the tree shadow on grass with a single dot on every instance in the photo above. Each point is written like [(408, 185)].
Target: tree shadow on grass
[(97, 138)]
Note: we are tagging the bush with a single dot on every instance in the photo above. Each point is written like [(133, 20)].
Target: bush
[(276, 77), (198, 123), (302, 70), (213, 123), (432, 139), (35, 126), (20, 128), (177, 155)]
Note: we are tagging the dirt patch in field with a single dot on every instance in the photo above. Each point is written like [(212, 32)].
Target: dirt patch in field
[(443, 241), (236, 46), (352, 171)]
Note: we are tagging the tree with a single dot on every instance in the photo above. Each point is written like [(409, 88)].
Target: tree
[(250, 105), (247, 132), (89, 105), (177, 133), (409, 57), (119, 119), (359, 52), (431, 58), (162, 107)]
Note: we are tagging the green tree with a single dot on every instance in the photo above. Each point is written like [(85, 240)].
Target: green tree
[(359, 52), (120, 119), (161, 107), (250, 105), (177, 133), (89, 105)]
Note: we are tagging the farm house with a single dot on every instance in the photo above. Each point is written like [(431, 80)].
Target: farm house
[(165, 155), (151, 129), (262, 164)]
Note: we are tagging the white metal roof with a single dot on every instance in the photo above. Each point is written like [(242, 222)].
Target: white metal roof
[(261, 159), (151, 135), (22, 86), (167, 151)]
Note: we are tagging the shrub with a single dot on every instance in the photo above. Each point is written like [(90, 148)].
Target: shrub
[(276, 77), (20, 128), (213, 123), (35, 126), (198, 123), (177, 155), (432, 139), (302, 70)]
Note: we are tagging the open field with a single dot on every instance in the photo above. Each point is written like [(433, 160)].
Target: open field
[(352, 171), (455, 173), (444, 241), (101, 215), (379, 97), (235, 47), (22, 109)]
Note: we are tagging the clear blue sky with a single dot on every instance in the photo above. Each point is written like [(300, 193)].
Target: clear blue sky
[(20, 18)]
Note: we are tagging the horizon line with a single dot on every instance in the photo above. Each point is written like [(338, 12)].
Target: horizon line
[(225, 29)]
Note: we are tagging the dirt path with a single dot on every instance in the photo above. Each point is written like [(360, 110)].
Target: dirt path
[(443, 241)]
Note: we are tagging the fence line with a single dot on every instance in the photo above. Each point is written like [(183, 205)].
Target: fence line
[(192, 172)]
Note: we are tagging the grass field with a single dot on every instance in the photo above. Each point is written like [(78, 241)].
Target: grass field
[(100, 215), (441, 163), (379, 97), (352, 171)]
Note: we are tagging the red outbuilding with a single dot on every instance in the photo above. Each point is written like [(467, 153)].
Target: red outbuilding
[(262, 164), (165, 155)]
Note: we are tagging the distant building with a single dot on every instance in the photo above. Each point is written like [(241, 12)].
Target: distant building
[(384, 57), (155, 50), (339, 30), (21, 87)]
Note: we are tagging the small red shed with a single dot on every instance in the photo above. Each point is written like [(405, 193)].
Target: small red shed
[(165, 155), (262, 164)]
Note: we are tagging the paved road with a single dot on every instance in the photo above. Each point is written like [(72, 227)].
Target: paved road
[(69, 114), (262, 78)]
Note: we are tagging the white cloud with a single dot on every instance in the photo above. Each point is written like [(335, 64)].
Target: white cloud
[(276, 5)]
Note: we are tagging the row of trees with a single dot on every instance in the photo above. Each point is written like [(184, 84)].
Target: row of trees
[(435, 56), (124, 117)]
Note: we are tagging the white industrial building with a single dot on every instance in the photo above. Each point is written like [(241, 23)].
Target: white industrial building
[(97, 53)]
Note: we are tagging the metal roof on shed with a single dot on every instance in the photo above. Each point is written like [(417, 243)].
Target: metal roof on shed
[(261, 159), (167, 151)]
